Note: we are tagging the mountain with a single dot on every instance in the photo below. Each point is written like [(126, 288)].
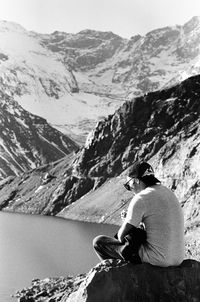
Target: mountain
[(161, 127), (42, 84), (73, 80), (27, 141), (103, 62)]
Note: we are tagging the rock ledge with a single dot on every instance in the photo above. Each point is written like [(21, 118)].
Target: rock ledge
[(120, 281), (117, 281)]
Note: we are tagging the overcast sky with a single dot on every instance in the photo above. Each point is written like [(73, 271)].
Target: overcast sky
[(123, 17)]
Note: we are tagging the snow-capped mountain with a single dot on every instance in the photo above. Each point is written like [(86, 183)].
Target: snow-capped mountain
[(26, 140), (106, 63), (40, 81), (73, 80)]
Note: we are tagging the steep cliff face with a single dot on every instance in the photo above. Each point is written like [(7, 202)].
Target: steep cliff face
[(86, 49), (161, 127), (27, 141), (140, 128)]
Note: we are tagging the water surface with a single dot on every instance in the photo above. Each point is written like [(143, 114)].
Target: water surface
[(40, 246)]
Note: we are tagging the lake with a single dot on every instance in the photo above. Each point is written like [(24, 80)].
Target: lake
[(33, 246)]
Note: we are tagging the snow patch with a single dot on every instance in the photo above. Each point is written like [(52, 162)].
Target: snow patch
[(21, 122), (39, 189)]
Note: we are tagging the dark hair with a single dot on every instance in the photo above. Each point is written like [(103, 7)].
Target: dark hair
[(149, 180)]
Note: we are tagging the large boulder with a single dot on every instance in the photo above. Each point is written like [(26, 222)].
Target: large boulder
[(117, 281)]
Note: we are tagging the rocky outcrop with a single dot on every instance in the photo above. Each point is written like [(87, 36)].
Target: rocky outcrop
[(141, 283), (84, 50), (49, 289), (115, 280)]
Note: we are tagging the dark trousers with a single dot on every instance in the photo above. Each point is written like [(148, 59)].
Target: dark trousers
[(111, 248)]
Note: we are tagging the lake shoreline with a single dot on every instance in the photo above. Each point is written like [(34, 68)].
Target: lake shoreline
[(45, 247), (54, 288), (58, 286), (70, 217)]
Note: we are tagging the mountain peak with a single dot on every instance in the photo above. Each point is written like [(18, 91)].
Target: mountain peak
[(195, 19), (98, 34), (192, 24), (11, 26)]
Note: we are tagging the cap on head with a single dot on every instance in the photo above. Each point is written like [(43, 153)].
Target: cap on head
[(143, 171)]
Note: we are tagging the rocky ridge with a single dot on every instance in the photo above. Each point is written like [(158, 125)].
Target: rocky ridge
[(129, 67)]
